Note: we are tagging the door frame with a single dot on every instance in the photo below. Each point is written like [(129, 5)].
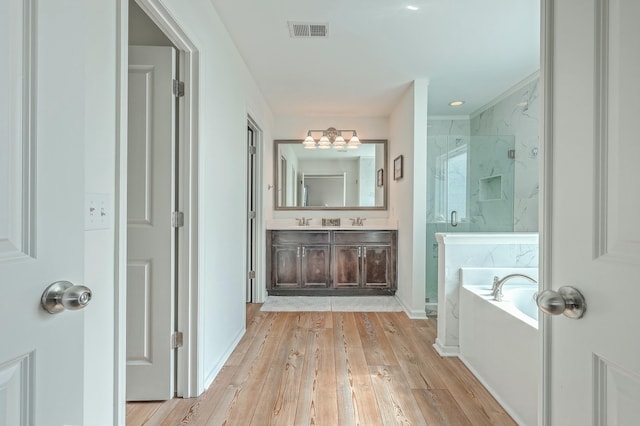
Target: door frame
[(187, 365), (259, 283), (545, 203)]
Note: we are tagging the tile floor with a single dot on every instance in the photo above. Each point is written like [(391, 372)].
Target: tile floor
[(331, 303)]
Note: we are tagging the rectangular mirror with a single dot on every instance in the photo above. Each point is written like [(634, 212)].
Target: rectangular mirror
[(330, 179)]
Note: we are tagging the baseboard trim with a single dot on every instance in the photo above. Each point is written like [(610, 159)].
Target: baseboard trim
[(213, 373), (431, 308), (446, 351), (411, 313)]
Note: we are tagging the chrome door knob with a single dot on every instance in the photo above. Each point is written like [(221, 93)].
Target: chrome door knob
[(567, 300), (63, 295)]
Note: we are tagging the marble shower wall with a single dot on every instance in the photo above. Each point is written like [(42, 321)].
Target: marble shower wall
[(515, 114), (518, 114), (491, 184)]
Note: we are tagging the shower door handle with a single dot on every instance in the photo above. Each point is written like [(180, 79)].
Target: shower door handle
[(454, 218)]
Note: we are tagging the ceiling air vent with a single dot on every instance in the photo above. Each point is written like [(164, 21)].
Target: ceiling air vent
[(308, 30)]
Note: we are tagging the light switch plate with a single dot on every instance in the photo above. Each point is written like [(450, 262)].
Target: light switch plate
[(97, 211)]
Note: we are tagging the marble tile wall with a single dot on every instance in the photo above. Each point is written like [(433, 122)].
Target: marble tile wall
[(491, 184), (518, 115)]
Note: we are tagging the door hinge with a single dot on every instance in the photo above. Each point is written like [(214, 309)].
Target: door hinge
[(177, 219), (252, 150), (176, 340), (252, 215), (178, 88), (252, 275)]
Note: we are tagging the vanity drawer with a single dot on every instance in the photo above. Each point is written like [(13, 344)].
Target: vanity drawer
[(363, 237), (300, 237)]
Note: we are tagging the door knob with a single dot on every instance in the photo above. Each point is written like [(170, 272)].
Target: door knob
[(567, 300), (63, 295)]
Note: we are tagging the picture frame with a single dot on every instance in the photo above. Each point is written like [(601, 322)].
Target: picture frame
[(380, 178), (397, 168)]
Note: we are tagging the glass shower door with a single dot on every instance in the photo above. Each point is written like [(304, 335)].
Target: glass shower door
[(470, 188), (447, 197)]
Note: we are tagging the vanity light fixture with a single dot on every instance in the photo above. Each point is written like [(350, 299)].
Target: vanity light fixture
[(456, 103), (413, 8), (331, 137)]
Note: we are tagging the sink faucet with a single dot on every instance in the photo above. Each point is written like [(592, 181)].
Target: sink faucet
[(496, 290), (357, 221), (303, 221)]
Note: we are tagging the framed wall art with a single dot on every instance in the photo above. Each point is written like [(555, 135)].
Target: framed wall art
[(397, 168)]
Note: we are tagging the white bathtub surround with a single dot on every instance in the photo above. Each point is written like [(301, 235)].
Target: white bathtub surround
[(480, 250), (498, 342), (517, 292), (331, 303)]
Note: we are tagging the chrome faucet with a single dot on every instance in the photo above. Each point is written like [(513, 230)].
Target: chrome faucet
[(357, 221), (303, 221), (496, 290)]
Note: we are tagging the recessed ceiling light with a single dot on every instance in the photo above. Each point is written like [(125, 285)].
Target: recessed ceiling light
[(456, 103), (413, 8)]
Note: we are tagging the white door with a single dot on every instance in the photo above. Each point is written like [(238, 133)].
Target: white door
[(150, 235), (41, 212), (594, 366)]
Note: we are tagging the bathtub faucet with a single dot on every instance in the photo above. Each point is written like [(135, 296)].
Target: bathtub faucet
[(496, 290)]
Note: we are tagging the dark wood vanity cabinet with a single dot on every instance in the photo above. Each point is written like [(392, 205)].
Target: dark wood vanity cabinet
[(300, 261), (364, 259), (331, 262)]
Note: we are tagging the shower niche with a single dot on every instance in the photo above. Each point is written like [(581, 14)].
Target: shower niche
[(490, 188)]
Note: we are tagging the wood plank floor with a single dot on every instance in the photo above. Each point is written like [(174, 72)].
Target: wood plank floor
[(333, 368)]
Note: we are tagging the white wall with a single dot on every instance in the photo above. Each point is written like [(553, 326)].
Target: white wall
[(99, 43), (228, 95), (408, 130), (142, 30)]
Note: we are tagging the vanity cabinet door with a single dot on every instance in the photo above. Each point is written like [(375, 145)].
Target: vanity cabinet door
[(286, 266), (315, 266), (347, 266), (377, 266)]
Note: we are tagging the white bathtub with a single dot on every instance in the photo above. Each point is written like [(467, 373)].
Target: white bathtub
[(499, 340)]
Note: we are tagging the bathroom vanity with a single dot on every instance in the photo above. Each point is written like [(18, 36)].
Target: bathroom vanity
[(327, 262)]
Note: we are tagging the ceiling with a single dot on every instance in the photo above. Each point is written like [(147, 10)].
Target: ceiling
[(471, 50)]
